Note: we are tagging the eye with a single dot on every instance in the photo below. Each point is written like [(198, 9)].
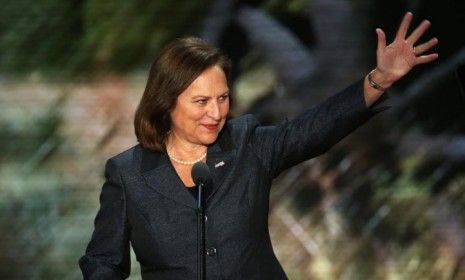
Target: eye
[(223, 98), (201, 101)]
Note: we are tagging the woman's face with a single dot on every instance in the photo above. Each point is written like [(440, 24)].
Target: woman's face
[(201, 110)]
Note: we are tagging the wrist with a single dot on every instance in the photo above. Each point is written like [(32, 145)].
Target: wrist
[(379, 80)]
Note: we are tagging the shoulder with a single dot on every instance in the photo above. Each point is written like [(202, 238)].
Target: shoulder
[(126, 158), (241, 127)]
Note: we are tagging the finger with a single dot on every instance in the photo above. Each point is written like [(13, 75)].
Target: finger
[(426, 46), (403, 28), (416, 34), (381, 39), (426, 58)]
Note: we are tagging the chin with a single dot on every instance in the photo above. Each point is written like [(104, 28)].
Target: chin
[(210, 139)]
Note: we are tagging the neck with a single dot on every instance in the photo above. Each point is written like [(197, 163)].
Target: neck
[(184, 150)]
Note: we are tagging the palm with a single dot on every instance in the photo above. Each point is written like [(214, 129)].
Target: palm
[(399, 57)]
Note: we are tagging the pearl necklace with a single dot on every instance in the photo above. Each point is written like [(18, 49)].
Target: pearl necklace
[(185, 162)]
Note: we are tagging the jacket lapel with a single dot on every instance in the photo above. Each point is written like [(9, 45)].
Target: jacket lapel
[(161, 176), (220, 164), (220, 160)]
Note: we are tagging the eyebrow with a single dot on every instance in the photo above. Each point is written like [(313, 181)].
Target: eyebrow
[(204, 96)]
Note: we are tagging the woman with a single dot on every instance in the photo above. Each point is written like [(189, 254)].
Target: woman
[(182, 119)]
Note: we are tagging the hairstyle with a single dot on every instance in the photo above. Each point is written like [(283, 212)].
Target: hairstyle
[(175, 68)]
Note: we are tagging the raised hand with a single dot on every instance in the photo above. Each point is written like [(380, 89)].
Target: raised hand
[(399, 57)]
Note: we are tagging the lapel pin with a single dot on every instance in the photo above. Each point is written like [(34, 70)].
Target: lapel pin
[(221, 163)]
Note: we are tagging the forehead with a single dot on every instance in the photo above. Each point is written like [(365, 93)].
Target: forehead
[(212, 81)]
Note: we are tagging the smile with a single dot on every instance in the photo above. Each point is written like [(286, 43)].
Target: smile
[(211, 126)]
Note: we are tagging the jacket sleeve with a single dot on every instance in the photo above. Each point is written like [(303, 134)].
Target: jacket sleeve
[(313, 132), (107, 254)]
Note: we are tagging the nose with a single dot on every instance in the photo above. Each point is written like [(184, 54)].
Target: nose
[(214, 111)]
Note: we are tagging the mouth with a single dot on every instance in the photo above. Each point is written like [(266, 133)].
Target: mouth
[(211, 127)]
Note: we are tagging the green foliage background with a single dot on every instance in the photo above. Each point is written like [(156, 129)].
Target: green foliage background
[(76, 37)]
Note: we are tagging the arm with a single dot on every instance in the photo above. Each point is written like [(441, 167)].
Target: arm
[(318, 129), (107, 255), (313, 132)]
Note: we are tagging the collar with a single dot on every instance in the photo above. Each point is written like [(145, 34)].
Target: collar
[(160, 175)]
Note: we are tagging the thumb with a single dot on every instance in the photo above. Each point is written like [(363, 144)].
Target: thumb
[(381, 39)]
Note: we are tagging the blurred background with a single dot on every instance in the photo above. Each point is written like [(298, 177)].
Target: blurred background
[(388, 202)]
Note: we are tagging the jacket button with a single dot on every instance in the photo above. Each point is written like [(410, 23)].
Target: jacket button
[(211, 251), (205, 218)]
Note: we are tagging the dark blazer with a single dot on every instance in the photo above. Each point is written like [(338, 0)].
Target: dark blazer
[(144, 203)]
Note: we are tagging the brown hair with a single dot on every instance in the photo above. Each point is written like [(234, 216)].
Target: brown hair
[(175, 68)]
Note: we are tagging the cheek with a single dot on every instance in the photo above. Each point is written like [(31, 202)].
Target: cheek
[(225, 109), (196, 115), (186, 117)]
